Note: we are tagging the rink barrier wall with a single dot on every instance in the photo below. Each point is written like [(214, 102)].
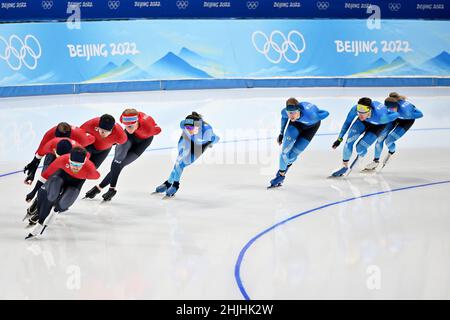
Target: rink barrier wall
[(194, 84), (115, 56)]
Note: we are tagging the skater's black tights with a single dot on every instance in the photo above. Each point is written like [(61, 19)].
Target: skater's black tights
[(97, 156), (59, 192), (125, 154)]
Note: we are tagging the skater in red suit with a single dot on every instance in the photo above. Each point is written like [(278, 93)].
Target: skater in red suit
[(62, 183), (107, 133), (52, 150), (140, 129), (62, 130)]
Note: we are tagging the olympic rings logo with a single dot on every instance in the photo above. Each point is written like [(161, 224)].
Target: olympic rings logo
[(12, 53), (394, 6), (252, 5), (113, 5), (323, 5), (283, 49), (182, 4), (47, 5)]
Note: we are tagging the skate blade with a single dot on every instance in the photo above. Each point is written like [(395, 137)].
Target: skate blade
[(274, 187), (368, 170), (30, 237), (335, 177), (155, 192), (167, 197)]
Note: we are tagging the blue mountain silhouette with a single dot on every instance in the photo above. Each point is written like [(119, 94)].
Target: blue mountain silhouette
[(126, 71), (439, 64), (198, 61), (398, 67), (130, 71), (107, 68), (171, 66), (379, 63), (189, 55)]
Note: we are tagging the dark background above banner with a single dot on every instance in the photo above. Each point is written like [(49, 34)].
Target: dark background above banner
[(45, 10)]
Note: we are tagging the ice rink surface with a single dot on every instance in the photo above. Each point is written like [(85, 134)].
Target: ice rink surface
[(224, 236)]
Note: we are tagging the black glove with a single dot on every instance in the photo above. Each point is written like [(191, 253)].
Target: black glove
[(31, 195), (280, 139), (206, 145), (337, 143), (30, 169)]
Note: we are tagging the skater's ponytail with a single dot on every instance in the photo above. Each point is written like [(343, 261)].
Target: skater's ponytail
[(195, 116)]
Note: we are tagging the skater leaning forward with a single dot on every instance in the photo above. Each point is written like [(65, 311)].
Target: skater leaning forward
[(62, 184), (140, 129), (372, 117), (394, 130), (196, 136), (304, 120)]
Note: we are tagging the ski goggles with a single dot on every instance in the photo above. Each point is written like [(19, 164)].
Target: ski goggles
[(292, 108), (75, 164), (192, 123), (360, 108), (190, 128)]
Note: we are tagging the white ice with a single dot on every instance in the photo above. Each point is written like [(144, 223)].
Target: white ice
[(138, 246)]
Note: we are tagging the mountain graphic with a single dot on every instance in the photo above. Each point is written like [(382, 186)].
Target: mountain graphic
[(397, 67), (171, 66), (126, 71), (378, 64), (190, 56), (107, 68), (438, 65), (200, 62)]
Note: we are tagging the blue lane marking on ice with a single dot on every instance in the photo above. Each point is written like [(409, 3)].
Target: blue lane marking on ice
[(9, 173), (239, 140), (237, 269)]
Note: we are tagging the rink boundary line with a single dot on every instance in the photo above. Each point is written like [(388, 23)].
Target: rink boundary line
[(235, 141), (237, 269)]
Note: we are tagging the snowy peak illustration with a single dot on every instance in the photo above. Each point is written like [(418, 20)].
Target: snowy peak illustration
[(198, 61), (439, 64), (190, 55), (172, 66), (107, 68), (126, 71), (378, 64)]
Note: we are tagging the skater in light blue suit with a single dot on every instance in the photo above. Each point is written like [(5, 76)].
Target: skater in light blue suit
[(304, 120), (372, 119), (196, 137), (394, 130)]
